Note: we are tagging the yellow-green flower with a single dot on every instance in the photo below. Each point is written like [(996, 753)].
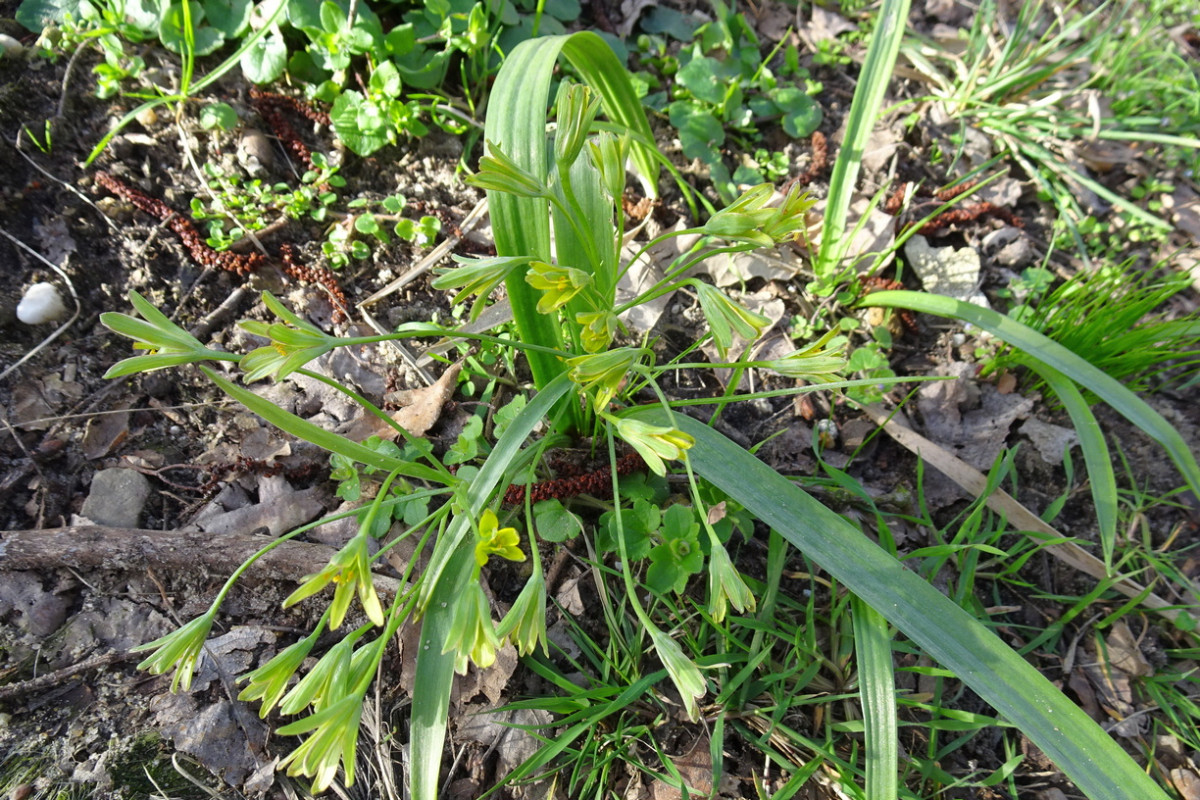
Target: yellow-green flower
[(166, 343), (604, 372), (577, 107), (494, 540), (334, 739), (350, 571), (328, 682), (498, 172), (472, 636), (790, 218), (609, 154), (725, 584), (525, 622), (655, 443), (597, 329), (478, 276), (683, 671), (557, 284), (820, 362), (725, 317), (294, 343), (178, 651), (270, 681)]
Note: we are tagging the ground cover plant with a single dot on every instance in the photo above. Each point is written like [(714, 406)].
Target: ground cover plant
[(779, 620)]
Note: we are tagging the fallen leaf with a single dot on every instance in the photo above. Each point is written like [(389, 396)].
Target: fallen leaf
[(949, 271), (1051, 441), (105, 432), (422, 409)]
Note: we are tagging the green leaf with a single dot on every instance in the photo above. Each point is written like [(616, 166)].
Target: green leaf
[(801, 114), (265, 60), (704, 78), (700, 133), (554, 522), (957, 640), (385, 80), (230, 17), (218, 115), (401, 39), (37, 14), (171, 30), (449, 569), (877, 692), (348, 115), (660, 19)]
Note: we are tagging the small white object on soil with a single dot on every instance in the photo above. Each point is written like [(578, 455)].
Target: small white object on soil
[(10, 47), (42, 303)]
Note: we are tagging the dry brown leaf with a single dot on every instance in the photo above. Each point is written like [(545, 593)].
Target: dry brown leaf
[(422, 409), (1187, 783), (106, 432)]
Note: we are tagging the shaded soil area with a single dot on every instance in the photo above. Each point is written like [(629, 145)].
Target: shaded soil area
[(88, 465)]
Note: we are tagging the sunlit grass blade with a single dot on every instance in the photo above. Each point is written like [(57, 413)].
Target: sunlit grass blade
[(958, 641), (327, 440), (877, 690), (868, 96), (1036, 346), (1095, 456), (449, 568)]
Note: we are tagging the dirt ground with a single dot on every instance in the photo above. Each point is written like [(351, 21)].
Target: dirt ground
[(71, 699)]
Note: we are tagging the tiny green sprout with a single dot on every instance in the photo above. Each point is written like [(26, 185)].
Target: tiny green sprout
[(498, 172), (178, 650), (269, 682), (557, 284), (166, 343), (725, 317), (294, 343), (350, 571), (654, 443), (472, 636)]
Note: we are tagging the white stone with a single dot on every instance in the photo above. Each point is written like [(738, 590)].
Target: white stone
[(42, 303)]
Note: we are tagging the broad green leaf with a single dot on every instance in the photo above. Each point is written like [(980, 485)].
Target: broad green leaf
[(265, 60), (954, 638), (449, 567), (230, 17), (37, 14)]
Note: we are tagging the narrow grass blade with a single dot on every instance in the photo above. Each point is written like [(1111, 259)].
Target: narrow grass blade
[(1095, 456), (868, 96), (877, 691), (961, 643), (1038, 347), (449, 568), (326, 440)]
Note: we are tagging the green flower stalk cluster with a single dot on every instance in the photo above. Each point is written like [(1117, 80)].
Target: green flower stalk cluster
[(473, 637)]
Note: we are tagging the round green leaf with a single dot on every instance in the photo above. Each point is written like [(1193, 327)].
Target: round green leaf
[(266, 58), (554, 522), (230, 17), (218, 115)]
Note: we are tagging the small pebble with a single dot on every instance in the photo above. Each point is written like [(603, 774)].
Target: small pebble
[(10, 47), (255, 152), (147, 118), (41, 303)]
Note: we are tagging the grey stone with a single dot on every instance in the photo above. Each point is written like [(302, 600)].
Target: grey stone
[(116, 498)]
